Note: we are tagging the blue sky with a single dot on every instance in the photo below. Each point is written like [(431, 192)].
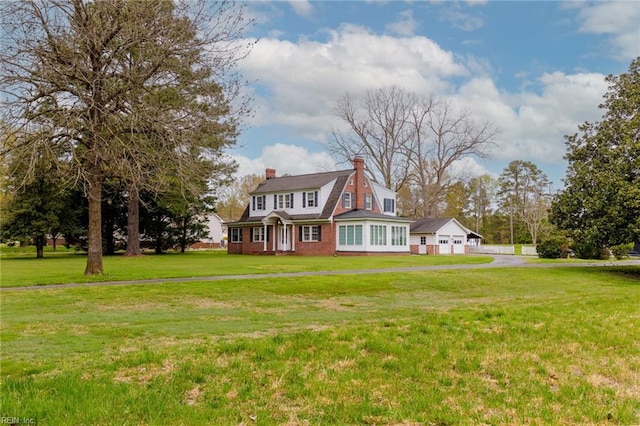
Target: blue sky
[(535, 69)]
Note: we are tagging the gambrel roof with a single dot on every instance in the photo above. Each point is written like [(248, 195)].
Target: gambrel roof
[(299, 182)]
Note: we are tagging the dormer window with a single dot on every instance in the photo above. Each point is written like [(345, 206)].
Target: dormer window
[(259, 202), (285, 201), (310, 199)]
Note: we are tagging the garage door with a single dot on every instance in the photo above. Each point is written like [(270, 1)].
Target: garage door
[(444, 242), (458, 244)]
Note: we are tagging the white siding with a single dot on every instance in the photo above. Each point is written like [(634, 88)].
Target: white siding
[(366, 238), (380, 193), (323, 195)]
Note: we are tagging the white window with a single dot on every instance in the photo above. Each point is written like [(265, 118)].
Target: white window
[(259, 202), (398, 235), (310, 233), (236, 235), (285, 201), (389, 205), (368, 201), (350, 235), (310, 199), (346, 200), (378, 235), (257, 234), (457, 241), (423, 241), (441, 241)]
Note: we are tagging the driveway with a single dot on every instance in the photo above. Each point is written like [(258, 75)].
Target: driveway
[(499, 261)]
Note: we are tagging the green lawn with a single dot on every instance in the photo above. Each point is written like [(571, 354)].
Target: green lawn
[(499, 346), (20, 268)]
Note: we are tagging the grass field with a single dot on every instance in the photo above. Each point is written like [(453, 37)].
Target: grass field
[(19, 267), (499, 346)]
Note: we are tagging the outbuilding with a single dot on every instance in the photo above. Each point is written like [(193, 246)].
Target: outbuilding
[(440, 236)]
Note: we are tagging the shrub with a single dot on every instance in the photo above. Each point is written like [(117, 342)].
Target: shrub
[(551, 248), (589, 250), (622, 250)]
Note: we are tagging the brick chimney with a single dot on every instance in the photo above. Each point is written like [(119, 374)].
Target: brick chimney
[(358, 165), (270, 173)]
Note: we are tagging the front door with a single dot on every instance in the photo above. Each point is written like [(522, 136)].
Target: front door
[(284, 238)]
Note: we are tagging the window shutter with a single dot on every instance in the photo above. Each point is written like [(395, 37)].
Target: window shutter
[(264, 202), (268, 227), (315, 198), (304, 199), (253, 201), (319, 231), (291, 204), (275, 201), (251, 234), (300, 233)]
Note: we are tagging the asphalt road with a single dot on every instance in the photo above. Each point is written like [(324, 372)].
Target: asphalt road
[(499, 261)]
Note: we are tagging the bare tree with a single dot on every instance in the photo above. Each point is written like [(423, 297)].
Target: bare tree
[(442, 136), (379, 133), (122, 88), (235, 197), (407, 139)]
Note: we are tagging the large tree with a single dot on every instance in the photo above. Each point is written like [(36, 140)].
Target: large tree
[(378, 131), (33, 210), (409, 140), (441, 136), (121, 87), (523, 191), (600, 204)]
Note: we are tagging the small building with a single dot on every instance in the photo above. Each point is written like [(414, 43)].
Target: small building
[(341, 212), (441, 236), (217, 234)]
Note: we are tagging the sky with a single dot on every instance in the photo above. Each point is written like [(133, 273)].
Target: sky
[(534, 69)]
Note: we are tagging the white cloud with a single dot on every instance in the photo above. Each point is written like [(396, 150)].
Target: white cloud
[(620, 20), (299, 83), (461, 20), (534, 124), (404, 25), (286, 159), (302, 7)]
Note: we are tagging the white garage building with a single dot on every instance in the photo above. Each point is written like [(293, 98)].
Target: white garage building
[(440, 236)]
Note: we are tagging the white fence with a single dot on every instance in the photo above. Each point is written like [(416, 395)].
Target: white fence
[(502, 249), (489, 249)]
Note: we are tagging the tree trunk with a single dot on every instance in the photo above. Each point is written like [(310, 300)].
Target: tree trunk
[(94, 252), (133, 223), (40, 240)]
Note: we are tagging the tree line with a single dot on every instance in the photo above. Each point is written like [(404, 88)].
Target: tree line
[(118, 110), (142, 95)]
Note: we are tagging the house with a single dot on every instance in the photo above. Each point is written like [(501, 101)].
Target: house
[(341, 212), (441, 236), (217, 233)]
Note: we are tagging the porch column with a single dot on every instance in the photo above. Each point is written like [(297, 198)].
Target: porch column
[(293, 237), (275, 235), (264, 243)]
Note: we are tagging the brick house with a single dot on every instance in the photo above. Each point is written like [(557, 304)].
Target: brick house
[(341, 212)]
